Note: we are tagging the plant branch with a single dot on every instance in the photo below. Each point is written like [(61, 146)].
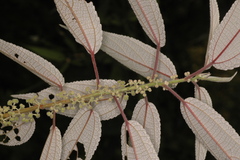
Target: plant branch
[(127, 89), (127, 125)]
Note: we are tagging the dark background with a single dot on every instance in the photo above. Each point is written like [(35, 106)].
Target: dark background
[(35, 25)]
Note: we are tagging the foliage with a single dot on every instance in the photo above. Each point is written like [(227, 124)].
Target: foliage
[(89, 102)]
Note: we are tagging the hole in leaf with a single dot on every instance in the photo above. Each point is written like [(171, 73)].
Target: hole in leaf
[(81, 151), (16, 130), (7, 129), (51, 96), (128, 139), (18, 138), (5, 139), (73, 155), (2, 137), (65, 105), (16, 55)]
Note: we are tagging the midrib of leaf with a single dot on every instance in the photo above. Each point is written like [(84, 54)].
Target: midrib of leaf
[(33, 58), (149, 25), (194, 115), (127, 125), (140, 63), (221, 53), (23, 137), (49, 146), (80, 26), (156, 60), (220, 36), (224, 49), (155, 38), (145, 115), (213, 61), (81, 132), (133, 143), (198, 120)]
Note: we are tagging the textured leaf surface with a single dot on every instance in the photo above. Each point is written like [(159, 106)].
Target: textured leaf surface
[(18, 134), (214, 22), (149, 16), (85, 128), (142, 148), (224, 50), (82, 21), (34, 63), (200, 150), (136, 55), (147, 115), (211, 129), (203, 95), (53, 146)]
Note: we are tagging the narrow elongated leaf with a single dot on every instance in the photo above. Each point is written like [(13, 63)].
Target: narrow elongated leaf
[(203, 95), (85, 128), (34, 63), (141, 148), (211, 129), (136, 55), (207, 77), (147, 115), (224, 50), (82, 21), (53, 146), (214, 17), (214, 22), (200, 150), (18, 134), (149, 16)]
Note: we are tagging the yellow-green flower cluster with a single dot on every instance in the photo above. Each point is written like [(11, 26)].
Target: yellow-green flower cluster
[(12, 113)]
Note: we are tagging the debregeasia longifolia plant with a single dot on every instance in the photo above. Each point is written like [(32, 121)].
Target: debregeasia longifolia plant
[(92, 101)]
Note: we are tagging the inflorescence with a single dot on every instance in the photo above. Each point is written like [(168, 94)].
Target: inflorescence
[(68, 100)]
